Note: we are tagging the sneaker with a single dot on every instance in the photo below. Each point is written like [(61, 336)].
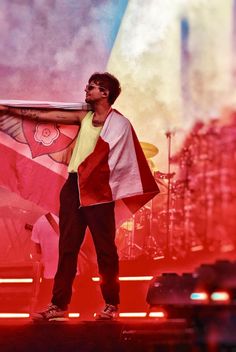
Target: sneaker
[(110, 312), (52, 313)]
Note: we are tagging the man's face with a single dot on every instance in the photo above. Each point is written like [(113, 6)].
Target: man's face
[(94, 92)]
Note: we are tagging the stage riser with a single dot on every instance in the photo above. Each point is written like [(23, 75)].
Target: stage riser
[(117, 336)]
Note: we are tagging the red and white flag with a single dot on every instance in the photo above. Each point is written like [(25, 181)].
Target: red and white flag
[(34, 155), (34, 158), (117, 170)]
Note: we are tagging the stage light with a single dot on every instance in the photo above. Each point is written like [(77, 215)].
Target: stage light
[(130, 315), (14, 315), (74, 315), (96, 279), (159, 314), (197, 248), (199, 296), (227, 248), (135, 278), (16, 281), (133, 315), (128, 278), (220, 296)]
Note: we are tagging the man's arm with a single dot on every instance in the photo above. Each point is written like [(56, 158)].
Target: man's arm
[(36, 252), (38, 249), (69, 117)]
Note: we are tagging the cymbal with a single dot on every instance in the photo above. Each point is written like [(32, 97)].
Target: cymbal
[(150, 150)]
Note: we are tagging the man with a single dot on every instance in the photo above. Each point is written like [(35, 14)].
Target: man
[(45, 236), (107, 172)]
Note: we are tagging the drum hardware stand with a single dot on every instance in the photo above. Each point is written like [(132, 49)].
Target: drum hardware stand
[(187, 200), (168, 227), (131, 247), (150, 244)]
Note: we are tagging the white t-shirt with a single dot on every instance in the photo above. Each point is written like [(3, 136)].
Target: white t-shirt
[(48, 239)]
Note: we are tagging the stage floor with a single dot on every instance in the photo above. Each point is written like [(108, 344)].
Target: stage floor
[(126, 335)]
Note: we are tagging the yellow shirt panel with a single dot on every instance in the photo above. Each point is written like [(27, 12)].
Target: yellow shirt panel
[(85, 143)]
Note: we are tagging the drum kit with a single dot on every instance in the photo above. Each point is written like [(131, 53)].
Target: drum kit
[(137, 236), (195, 208), (156, 229)]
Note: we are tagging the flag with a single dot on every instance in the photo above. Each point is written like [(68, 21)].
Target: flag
[(117, 170), (34, 155)]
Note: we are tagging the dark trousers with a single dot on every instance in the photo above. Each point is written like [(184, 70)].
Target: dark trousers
[(73, 222)]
